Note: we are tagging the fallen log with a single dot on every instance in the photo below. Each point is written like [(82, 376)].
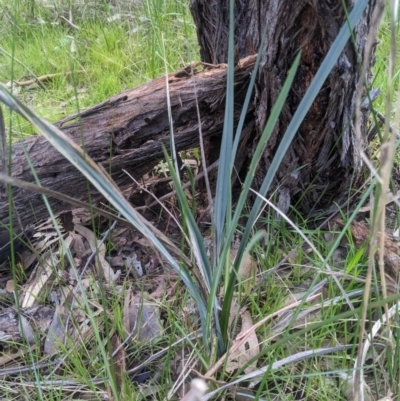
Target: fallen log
[(126, 132)]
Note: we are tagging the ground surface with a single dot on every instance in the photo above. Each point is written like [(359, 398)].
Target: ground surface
[(85, 320)]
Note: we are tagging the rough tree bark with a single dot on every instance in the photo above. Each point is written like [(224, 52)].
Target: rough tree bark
[(323, 157), (125, 132)]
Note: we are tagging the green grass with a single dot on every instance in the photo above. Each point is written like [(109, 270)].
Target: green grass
[(382, 64), (104, 58)]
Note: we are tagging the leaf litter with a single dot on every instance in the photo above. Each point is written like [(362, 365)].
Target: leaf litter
[(53, 281)]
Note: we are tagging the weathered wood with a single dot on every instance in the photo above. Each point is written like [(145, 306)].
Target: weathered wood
[(126, 132), (323, 158)]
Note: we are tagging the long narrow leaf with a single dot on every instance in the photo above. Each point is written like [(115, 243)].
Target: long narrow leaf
[(222, 210), (198, 248), (197, 240), (273, 118)]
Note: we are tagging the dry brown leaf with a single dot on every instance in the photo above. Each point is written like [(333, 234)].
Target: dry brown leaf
[(119, 361), (10, 286), (6, 358), (27, 332), (247, 271), (85, 332), (81, 216), (27, 258), (118, 238), (42, 277), (127, 301), (144, 320), (103, 267), (247, 350), (78, 246), (160, 290), (143, 242), (117, 262), (57, 331)]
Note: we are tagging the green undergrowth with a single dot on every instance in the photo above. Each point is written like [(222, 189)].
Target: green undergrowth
[(114, 49), (382, 56), (117, 48)]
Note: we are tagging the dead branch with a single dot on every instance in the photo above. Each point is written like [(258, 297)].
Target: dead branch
[(126, 132)]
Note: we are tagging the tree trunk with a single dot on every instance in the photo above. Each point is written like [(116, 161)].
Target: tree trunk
[(125, 133), (322, 161)]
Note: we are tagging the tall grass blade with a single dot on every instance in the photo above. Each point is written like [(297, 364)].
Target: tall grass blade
[(3, 144), (197, 240), (220, 259), (273, 118), (197, 247), (309, 328), (300, 356), (223, 199)]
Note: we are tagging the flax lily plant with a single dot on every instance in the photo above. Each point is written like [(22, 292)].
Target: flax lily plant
[(218, 271)]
